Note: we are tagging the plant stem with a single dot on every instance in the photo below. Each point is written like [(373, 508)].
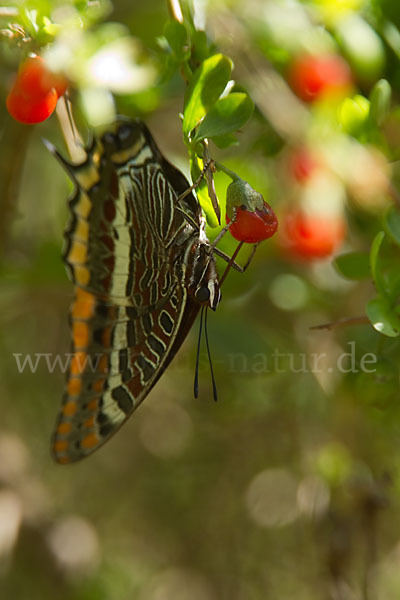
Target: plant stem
[(231, 174)]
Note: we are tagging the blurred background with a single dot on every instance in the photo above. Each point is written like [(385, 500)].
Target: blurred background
[(289, 485)]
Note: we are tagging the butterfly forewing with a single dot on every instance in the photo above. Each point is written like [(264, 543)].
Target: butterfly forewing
[(132, 253)]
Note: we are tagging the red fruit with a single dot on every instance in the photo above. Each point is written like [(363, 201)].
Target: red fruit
[(35, 92), (312, 237), (29, 111), (60, 84), (302, 164), (253, 227), (314, 76)]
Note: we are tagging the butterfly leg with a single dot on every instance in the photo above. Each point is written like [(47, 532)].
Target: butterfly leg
[(196, 183), (235, 265)]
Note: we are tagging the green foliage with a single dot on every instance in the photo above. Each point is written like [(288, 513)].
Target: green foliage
[(225, 116), (380, 98), (353, 265), (382, 316), (392, 224), (206, 86), (374, 257)]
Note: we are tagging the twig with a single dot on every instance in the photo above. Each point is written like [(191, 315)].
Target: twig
[(342, 323)]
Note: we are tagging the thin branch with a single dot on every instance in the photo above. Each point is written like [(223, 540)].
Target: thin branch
[(343, 323)]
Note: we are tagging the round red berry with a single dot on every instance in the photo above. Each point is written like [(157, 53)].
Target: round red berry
[(35, 91), (313, 76), (312, 237), (252, 227), (31, 110), (302, 164)]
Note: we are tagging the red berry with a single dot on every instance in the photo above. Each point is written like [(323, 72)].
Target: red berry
[(314, 76), (312, 237), (31, 78), (29, 111), (35, 92), (253, 227), (302, 164)]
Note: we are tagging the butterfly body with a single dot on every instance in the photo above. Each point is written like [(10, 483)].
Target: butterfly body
[(142, 267)]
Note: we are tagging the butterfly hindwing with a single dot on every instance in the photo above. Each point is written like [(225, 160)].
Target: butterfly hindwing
[(127, 246)]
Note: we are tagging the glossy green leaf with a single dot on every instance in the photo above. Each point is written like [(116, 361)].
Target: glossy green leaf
[(208, 83), (177, 38), (353, 265), (226, 116), (200, 49), (380, 98), (382, 317), (392, 224), (373, 257)]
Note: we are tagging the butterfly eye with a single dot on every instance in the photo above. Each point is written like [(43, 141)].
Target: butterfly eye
[(202, 294), (126, 135)]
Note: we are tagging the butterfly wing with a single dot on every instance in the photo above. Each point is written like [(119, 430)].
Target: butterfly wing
[(126, 252)]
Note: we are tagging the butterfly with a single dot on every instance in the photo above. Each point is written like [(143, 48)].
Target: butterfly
[(142, 267)]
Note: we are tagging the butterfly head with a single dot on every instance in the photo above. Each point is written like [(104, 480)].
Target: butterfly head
[(207, 291)]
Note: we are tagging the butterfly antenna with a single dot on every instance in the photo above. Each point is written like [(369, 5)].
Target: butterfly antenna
[(209, 358), (196, 374)]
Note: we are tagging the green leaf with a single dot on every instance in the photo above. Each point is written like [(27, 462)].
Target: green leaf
[(177, 38), (208, 83), (380, 98), (382, 317), (226, 116), (392, 280), (353, 265), (392, 224), (224, 141), (373, 257), (200, 49)]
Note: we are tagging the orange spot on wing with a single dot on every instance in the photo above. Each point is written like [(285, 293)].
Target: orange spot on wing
[(70, 408), (90, 441), (74, 386), (78, 363), (77, 253), (84, 304), (60, 446), (98, 385), (83, 207), (93, 405), (103, 364), (89, 423), (106, 337), (82, 275), (64, 428), (81, 230), (80, 334)]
